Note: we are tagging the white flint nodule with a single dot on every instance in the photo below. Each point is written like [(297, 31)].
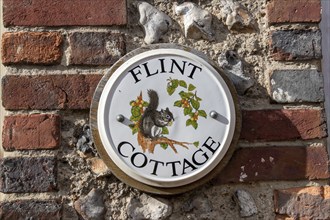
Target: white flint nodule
[(147, 207), (235, 16), (154, 22), (197, 21)]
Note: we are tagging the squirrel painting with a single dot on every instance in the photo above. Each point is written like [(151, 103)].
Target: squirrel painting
[(153, 120)]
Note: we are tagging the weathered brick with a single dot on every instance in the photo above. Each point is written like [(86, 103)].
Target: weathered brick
[(283, 125), (31, 209), (31, 132), (283, 11), (289, 86), (32, 48), (96, 48), (303, 203), (28, 174), (296, 44), (275, 163), (48, 91), (64, 12)]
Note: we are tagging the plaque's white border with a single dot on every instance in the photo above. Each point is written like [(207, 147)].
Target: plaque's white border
[(107, 142)]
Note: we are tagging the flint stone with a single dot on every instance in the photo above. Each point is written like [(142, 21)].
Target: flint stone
[(147, 207), (98, 167), (235, 16), (85, 142), (91, 207), (154, 22), (197, 21), (246, 203), (233, 67)]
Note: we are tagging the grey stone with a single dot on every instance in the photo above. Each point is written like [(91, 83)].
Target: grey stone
[(231, 64), (154, 22), (246, 203), (85, 142), (197, 22), (296, 44), (23, 175), (147, 207), (235, 16), (288, 86), (91, 207)]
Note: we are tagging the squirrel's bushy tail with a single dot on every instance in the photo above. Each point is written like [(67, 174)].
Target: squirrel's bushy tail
[(153, 100)]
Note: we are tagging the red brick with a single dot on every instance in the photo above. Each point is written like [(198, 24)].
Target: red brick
[(48, 91), (28, 174), (282, 125), (31, 209), (275, 163), (303, 203), (64, 12), (31, 132), (284, 11), (32, 48), (96, 48)]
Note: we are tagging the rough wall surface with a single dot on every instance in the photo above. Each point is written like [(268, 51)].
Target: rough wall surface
[(54, 55)]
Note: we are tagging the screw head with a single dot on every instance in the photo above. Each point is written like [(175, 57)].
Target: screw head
[(213, 114), (120, 118)]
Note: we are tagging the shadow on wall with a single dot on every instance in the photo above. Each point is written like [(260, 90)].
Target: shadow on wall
[(250, 164), (269, 125)]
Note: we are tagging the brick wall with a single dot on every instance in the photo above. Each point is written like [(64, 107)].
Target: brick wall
[(54, 55)]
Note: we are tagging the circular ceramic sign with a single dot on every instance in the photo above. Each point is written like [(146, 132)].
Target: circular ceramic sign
[(164, 118)]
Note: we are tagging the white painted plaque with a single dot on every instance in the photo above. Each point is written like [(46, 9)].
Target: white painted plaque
[(166, 117)]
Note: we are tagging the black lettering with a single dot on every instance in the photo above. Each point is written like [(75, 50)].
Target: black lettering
[(120, 146), (154, 172), (178, 67), (199, 163), (162, 65), (144, 157), (210, 146), (173, 167), (184, 167), (193, 70), (134, 74), (147, 70)]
